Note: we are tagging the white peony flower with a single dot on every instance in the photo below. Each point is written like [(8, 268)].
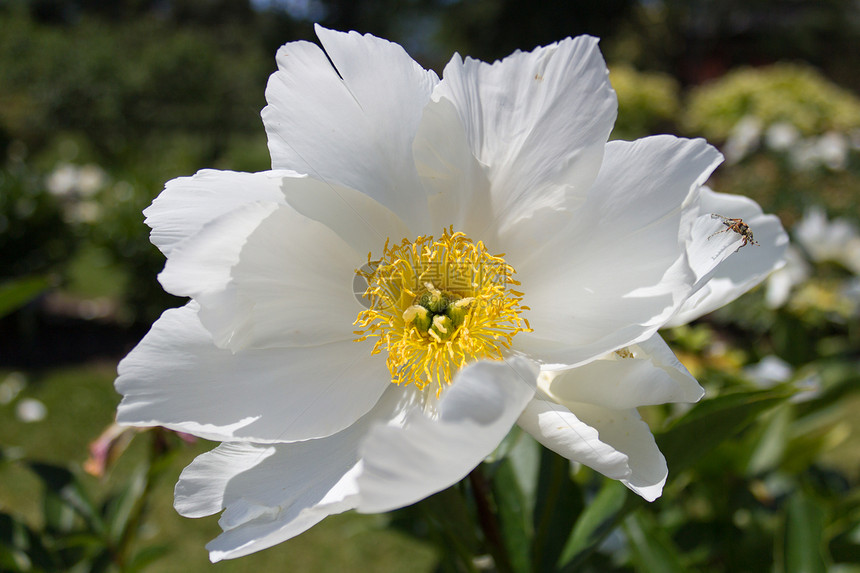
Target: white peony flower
[(744, 138), (833, 150), (782, 281), (519, 268), (769, 371), (781, 136), (824, 240), (31, 410)]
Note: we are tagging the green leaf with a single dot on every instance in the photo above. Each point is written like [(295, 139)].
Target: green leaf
[(713, 421), (16, 544), (146, 556), (513, 516), (770, 445), (66, 488), (524, 458), (845, 547), (451, 527), (18, 292), (804, 547), (651, 547), (23, 546), (59, 516), (559, 503), (120, 508), (600, 516)]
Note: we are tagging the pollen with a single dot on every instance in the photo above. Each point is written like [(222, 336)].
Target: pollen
[(436, 305)]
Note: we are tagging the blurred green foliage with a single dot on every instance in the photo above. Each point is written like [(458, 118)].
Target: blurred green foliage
[(791, 93), (36, 239), (144, 98), (648, 102), (139, 92)]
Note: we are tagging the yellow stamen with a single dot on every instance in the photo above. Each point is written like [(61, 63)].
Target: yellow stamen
[(437, 305), (624, 353)]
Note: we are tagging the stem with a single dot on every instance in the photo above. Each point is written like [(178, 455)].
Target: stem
[(488, 521)]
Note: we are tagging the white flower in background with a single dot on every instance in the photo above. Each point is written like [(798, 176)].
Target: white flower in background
[(30, 410), (70, 179), (803, 155), (77, 185), (823, 240), (326, 401), (744, 138), (781, 136), (91, 178), (832, 150), (772, 370), (83, 212), (769, 371), (781, 282), (63, 180), (851, 292), (11, 386)]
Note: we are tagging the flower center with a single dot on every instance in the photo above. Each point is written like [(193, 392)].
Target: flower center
[(436, 305)]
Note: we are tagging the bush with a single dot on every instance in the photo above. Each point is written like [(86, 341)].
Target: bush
[(783, 92), (34, 238), (648, 102)]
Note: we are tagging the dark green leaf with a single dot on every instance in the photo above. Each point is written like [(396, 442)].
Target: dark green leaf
[(559, 503), (16, 544), (713, 421), (804, 535), (120, 508), (18, 292), (452, 527), (102, 563), (845, 548), (63, 484), (600, 516), (59, 516), (769, 445), (146, 556), (512, 513), (650, 546)]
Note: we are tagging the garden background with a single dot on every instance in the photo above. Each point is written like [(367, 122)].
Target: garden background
[(102, 102)]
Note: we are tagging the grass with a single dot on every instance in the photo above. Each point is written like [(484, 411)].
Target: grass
[(80, 403)]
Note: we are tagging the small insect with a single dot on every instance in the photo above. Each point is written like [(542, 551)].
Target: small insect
[(738, 226)]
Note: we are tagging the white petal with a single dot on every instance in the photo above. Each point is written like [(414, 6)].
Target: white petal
[(743, 268), (358, 219), (350, 124), (292, 286), (188, 203), (537, 120), (405, 463), (707, 247), (651, 376), (557, 428), (457, 186), (177, 378), (617, 443), (625, 431), (202, 263), (614, 271), (275, 492)]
